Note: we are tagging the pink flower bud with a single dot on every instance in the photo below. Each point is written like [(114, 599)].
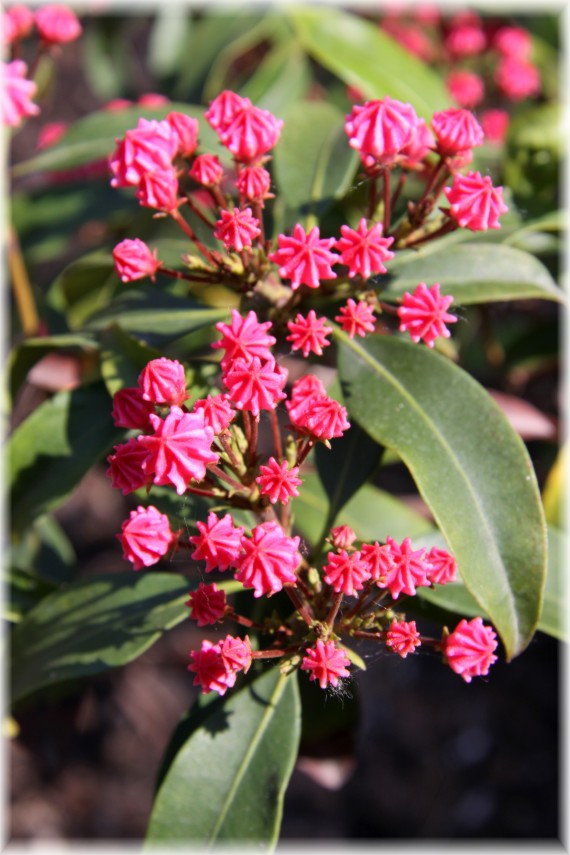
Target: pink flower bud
[(465, 40), (364, 250), (466, 88), (423, 314), (17, 23), (253, 184), (17, 94), (326, 663), (134, 260), (237, 229), (268, 560), (513, 42), (207, 604), (517, 78), (250, 133), (223, 109), (254, 385), (244, 337), (309, 334), (159, 190), (495, 124), (403, 637), (408, 569), (342, 536), (153, 99), (148, 148), (186, 129), (126, 472), (50, 134), (469, 649), (207, 170), (475, 203), (381, 128), (356, 318), (57, 24), (278, 482), (219, 542), (163, 381), (456, 130), (146, 537), (304, 259), (346, 572), (130, 410)]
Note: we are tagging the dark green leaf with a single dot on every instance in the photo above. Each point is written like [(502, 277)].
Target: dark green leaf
[(227, 782), (54, 447), (281, 79), (470, 466), (363, 56), (475, 273)]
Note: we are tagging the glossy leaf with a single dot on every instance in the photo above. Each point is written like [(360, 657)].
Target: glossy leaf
[(470, 467), (54, 447), (363, 56), (226, 784), (475, 273), (281, 79)]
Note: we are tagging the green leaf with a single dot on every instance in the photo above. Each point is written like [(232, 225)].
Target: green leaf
[(475, 273), (227, 782), (281, 79), (470, 467), (554, 490), (94, 624), (54, 447), (360, 54), (168, 40), (313, 163)]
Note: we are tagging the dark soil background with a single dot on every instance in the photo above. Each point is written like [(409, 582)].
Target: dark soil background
[(430, 758)]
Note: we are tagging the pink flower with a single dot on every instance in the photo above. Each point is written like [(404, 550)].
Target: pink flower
[(377, 560), (469, 649), (412, 155), (441, 566), (153, 99), (219, 542), (402, 637), (269, 559), (254, 385), (186, 129), (150, 147), (117, 105), (237, 229), (408, 570), (517, 78), (513, 42), (210, 669), (364, 250), (17, 23), (180, 450), (253, 184), (50, 134), (223, 109), (207, 170), (244, 338), (250, 133), (218, 411), (126, 472), (314, 413), (475, 203), (326, 663), (345, 572), (456, 131), (466, 88), (381, 128), (356, 318), (207, 604), (465, 40), (495, 124), (304, 259), (17, 94), (309, 334), (134, 260), (278, 481), (146, 537), (342, 536), (423, 314), (236, 654), (159, 190), (163, 381), (130, 410), (57, 24)]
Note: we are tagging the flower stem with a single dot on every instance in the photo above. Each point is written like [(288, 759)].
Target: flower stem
[(187, 229), (276, 435), (386, 173), (331, 617), (299, 605)]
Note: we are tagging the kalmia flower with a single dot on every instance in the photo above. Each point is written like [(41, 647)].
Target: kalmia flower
[(186, 130), (403, 637), (126, 472), (237, 229), (517, 78), (326, 662), (219, 542), (253, 184), (475, 204), (513, 42), (17, 94), (218, 411), (495, 124), (57, 24), (152, 100), (303, 394), (466, 88), (223, 109), (325, 419), (148, 148), (469, 649), (159, 190), (17, 23), (130, 410), (414, 40), (250, 133), (441, 566), (381, 128), (163, 381), (146, 537), (465, 40), (236, 654), (304, 258), (269, 559), (408, 570), (207, 604), (210, 669), (364, 250), (356, 318), (207, 170), (342, 536), (50, 134), (378, 561), (309, 334), (278, 482), (245, 338), (134, 260), (346, 572), (456, 131), (254, 385), (180, 449), (424, 314)]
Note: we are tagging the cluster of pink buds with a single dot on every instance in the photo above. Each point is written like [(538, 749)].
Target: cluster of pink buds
[(232, 449)]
